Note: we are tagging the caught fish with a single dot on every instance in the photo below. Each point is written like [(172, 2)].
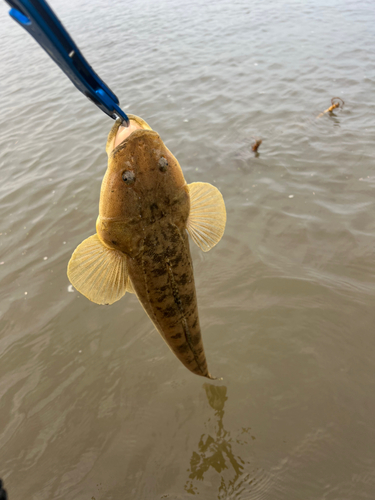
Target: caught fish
[(141, 244)]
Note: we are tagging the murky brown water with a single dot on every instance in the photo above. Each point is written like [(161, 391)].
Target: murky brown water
[(92, 403)]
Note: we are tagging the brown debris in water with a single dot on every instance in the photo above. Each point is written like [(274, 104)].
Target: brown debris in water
[(336, 102), (256, 144)]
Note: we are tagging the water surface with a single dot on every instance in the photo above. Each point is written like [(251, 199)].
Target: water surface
[(92, 403)]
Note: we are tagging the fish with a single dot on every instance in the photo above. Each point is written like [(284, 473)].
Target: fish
[(141, 246)]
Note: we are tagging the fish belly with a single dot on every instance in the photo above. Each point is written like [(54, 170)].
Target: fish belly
[(162, 277)]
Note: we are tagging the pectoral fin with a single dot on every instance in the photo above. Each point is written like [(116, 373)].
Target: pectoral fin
[(98, 272), (207, 218)]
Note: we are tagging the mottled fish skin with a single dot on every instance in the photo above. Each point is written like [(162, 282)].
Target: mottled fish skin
[(146, 220), (162, 276)]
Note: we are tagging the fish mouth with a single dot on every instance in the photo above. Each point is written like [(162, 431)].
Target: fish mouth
[(124, 132)]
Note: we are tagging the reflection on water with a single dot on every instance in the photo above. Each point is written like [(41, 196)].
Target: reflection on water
[(215, 448)]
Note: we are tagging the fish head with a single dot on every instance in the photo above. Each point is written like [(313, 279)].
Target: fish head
[(143, 184)]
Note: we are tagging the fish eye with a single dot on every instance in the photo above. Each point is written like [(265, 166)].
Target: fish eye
[(163, 164), (128, 177)]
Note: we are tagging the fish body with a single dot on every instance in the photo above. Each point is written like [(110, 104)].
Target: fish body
[(162, 277), (142, 246)]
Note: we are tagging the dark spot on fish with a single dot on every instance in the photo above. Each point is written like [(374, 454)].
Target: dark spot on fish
[(163, 164), (128, 176), (114, 242), (195, 322), (177, 336), (162, 298), (187, 299), (154, 206), (157, 258), (176, 260), (150, 245), (159, 271), (183, 279), (164, 288), (169, 312), (149, 252), (183, 348)]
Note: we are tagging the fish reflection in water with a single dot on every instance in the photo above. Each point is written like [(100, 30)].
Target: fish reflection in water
[(216, 450)]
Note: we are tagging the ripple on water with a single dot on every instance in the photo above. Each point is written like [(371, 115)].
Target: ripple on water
[(93, 404)]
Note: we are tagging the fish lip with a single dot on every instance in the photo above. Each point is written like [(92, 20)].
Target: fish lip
[(138, 132)]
